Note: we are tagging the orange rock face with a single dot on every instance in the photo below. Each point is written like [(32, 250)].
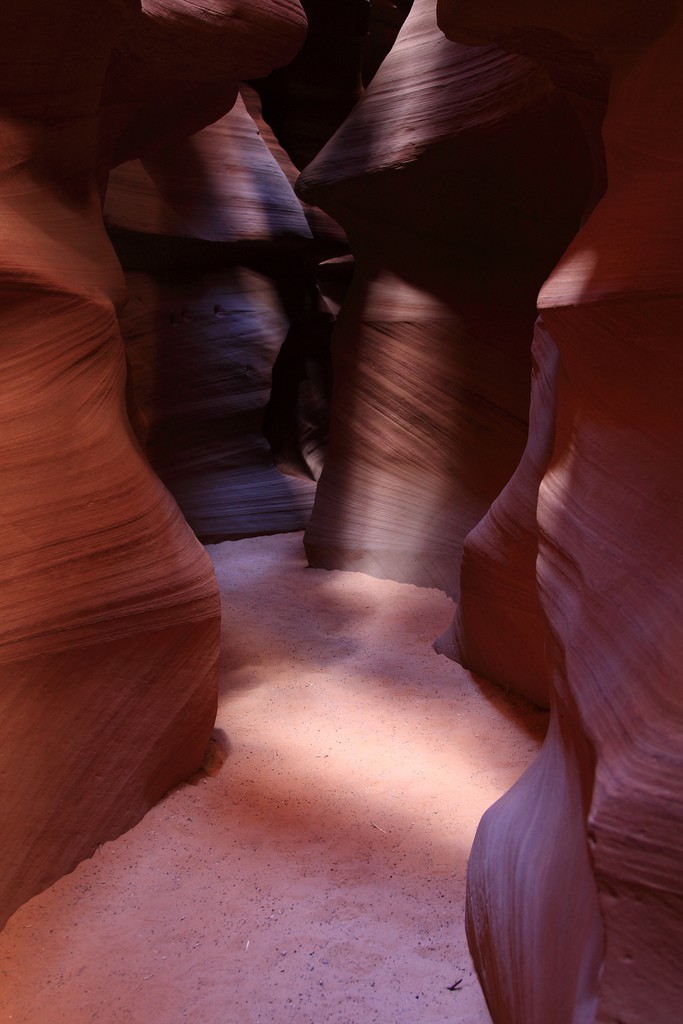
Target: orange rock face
[(109, 608), (574, 907)]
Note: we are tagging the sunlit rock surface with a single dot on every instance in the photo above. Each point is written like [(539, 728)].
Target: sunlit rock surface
[(218, 185), (459, 178), (110, 614), (575, 902)]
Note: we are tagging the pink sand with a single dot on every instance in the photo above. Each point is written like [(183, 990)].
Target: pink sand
[(314, 872)]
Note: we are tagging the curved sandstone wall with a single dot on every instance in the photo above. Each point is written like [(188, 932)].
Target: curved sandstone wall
[(574, 892), (459, 178), (193, 221), (109, 610)]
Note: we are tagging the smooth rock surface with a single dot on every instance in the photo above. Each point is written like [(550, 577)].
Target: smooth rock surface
[(202, 332), (201, 348), (459, 178), (592, 835), (177, 68), (109, 607), (499, 629), (220, 184)]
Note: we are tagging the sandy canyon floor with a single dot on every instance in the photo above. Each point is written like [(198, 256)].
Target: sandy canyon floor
[(314, 871)]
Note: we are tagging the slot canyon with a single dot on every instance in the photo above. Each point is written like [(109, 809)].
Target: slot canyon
[(341, 512)]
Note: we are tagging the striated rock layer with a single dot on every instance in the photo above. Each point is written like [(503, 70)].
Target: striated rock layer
[(109, 608), (575, 904), (202, 331), (459, 179), (201, 348), (498, 629), (178, 66)]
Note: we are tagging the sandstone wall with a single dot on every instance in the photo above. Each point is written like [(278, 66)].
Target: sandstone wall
[(215, 244), (109, 609), (574, 880), (459, 178)]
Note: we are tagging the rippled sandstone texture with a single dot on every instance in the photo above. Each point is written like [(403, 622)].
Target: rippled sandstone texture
[(109, 608), (213, 241), (177, 68), (575, 907), (459, 178)]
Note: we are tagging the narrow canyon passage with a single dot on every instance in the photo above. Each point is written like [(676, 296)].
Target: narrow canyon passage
[(314, 872)]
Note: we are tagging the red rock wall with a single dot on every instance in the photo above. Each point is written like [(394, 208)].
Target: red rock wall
[(574, 902), (459, 178), (498, 629), (109, 608)]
